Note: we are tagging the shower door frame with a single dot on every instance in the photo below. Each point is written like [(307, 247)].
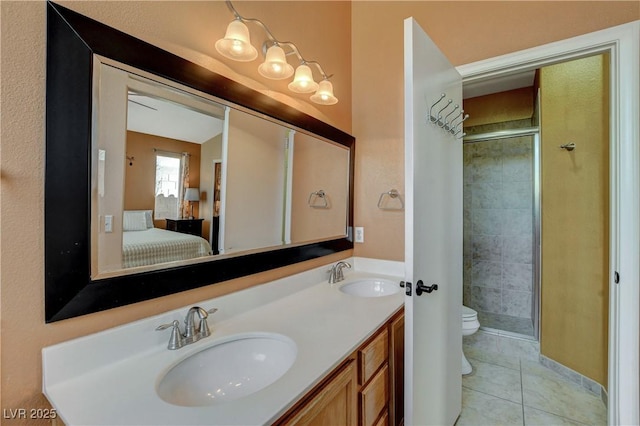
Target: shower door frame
[(536, 240), (622, 43)]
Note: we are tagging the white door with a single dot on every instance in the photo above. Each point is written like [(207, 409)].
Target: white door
[(433, 233)]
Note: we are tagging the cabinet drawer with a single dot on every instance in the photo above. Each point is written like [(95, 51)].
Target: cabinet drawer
[(372, 356), (374, 397)]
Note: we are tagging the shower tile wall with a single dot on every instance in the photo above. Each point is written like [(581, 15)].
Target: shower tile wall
[(498, 227)]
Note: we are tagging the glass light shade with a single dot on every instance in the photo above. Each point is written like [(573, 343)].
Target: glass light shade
[(236, 43), (303, 81), (275, 65), (324, 95)]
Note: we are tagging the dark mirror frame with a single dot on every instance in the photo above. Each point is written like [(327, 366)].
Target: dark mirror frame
[(72, 40)]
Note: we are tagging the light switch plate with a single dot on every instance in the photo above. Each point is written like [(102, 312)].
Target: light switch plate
[(108, 223)]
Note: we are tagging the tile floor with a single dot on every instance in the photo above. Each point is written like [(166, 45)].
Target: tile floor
[(508, 389)]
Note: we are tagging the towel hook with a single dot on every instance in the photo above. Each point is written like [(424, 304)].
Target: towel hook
[(447, 126), (440, 112), (459, 127), (432, 117), (451, 125), (442, 122)]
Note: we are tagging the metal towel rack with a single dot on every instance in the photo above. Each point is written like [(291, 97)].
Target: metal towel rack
[(315, 196), (393, 194), (447, 119)]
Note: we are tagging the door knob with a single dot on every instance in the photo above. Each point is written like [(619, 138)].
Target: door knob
[(420, 288)]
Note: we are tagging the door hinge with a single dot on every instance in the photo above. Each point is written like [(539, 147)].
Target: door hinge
[(616, 277)]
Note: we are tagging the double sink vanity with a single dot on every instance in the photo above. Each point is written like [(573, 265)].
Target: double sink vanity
[(287, 352), (312, 347)]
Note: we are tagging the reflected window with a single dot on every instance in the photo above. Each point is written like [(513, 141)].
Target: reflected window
[(168, 185)]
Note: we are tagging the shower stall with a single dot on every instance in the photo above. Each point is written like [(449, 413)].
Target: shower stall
[(502, 227)]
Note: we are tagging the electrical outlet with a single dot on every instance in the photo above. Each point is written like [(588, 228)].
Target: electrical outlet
[(359, 234)]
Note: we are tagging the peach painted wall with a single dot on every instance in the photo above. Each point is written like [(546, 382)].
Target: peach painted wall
[(254, 205), (466, 32), (139, 184), (311, 160), (363, 39)]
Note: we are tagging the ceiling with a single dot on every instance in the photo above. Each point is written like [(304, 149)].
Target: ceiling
[(498, 84), (171, 120)]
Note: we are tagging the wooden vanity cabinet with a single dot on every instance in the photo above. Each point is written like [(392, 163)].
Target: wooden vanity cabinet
[(373, 377), (396, 363), (365, 390), (333, 402)]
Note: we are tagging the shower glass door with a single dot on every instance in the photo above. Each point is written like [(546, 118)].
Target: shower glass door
[(501, 232)]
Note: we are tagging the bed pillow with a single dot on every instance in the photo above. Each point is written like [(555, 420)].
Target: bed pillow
[(148, 215), (134, 220)]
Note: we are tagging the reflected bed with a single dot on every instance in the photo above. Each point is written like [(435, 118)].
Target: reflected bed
[(154, 245)]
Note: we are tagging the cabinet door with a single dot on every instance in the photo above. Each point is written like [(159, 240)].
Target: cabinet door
[(334, 403), (396, 361)]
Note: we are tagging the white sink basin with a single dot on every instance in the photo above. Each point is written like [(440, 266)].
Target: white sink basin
[(229, 370), (371, 287)]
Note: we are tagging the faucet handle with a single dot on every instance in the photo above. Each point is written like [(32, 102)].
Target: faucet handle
[(175, 341), (204, 326)]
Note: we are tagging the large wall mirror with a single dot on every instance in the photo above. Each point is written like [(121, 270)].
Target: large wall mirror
[(162, 176)]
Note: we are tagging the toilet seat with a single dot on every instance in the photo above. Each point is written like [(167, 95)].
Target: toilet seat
[(470, 323), (469, 314)]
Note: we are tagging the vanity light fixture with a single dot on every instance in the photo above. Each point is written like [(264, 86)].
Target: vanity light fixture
[(236, 45), (324, 94), (303, 80), (275, 65)]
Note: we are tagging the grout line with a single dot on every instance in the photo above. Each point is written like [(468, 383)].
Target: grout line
[(521, 390), (558, 415), (488, 394), (492, 363)]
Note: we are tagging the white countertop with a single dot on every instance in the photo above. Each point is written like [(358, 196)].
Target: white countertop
[(110, 377)]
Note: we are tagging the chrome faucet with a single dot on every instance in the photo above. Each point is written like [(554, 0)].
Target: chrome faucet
[(335, 273), (191, 333)]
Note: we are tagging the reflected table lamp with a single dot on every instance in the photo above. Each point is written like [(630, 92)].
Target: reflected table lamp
[(191, 195)]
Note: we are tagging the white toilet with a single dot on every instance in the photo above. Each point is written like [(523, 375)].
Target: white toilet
[(470, 325)]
